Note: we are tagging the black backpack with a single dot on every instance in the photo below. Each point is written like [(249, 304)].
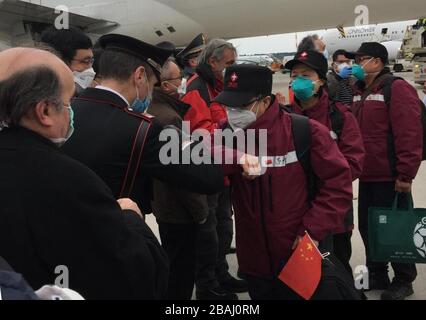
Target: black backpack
[(335, 283), (301, 130), (386, 87)]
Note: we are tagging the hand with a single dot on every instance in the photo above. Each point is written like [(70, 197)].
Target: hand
[(401, 186), (280, 98), (298, 239), (251, 166), (128, 204), (345, 73)]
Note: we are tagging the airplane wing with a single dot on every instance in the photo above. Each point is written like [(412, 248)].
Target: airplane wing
[(21, 18), (246, 18)]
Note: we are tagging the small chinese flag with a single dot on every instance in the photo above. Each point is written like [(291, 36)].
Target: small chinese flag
[(302, 273)]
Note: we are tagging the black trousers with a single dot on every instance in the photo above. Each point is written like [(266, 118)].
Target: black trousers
[(381, 194), (179, 241), (214, 242), (342, 249)]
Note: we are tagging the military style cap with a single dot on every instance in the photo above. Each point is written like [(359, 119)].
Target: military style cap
[(194, 48), (153, 55)]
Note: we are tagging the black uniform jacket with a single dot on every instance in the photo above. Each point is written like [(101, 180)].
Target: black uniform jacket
[(105, 131), (54, 212)]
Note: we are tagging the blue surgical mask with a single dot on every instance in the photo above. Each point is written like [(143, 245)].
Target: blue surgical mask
[(303, 88), (142, 105), (61, 141)]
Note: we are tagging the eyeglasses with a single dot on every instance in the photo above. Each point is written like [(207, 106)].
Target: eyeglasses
[(171, 79), (85, 61)]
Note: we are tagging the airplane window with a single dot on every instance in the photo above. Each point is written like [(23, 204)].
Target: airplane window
[(171, 29), (384, 30), (159, 33)]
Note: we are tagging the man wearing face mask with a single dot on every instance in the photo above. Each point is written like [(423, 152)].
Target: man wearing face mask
[(75, 49), (178, 212), (56, 211), (339, 81), (308, 74), (272, 212), (393, 139), (117, 139), (213, 278)]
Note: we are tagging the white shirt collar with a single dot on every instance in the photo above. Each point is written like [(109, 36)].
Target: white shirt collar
[(115, 92)]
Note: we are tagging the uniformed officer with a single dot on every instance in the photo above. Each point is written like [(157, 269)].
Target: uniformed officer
[(113, 136)]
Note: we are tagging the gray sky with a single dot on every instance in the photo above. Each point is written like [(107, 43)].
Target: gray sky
[(271, 44)]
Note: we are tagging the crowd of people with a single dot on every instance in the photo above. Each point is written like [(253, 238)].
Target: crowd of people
[(80, 159)]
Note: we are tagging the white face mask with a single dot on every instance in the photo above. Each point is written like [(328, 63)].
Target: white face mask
[(85, 78), (181, 90), (240, 119)]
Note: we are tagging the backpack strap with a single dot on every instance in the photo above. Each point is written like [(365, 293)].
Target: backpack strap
[(386, 88), (302, 137), (135, 159)]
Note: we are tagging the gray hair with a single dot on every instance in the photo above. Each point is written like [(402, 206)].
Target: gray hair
[(21, 92), (215, 49), (307, 44)]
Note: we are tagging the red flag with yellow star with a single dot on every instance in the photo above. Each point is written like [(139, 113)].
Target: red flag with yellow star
[(302, 273)]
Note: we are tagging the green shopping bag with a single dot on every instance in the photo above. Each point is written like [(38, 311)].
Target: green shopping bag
[(397, 235)]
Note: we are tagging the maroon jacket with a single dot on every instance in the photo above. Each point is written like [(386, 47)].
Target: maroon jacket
[(350, 142), (272, 210), (375, 119)]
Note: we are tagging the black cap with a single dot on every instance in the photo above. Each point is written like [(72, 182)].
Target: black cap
[(167, 45), (153, 55), (194, 48), (312, 59), (342, 52), (375, 50), (243, 83)]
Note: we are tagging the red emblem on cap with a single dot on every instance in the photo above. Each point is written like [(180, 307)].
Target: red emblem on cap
[(233, 83), (303, 55), (234, 77)]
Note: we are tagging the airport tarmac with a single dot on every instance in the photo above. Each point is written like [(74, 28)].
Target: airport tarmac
[(281, 82)]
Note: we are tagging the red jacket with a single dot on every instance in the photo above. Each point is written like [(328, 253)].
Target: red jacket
[(350, 142), (201, 89), (272, 210), (375, 119)]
